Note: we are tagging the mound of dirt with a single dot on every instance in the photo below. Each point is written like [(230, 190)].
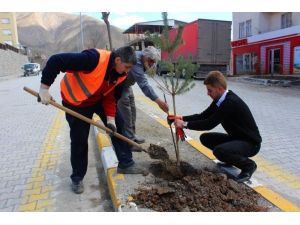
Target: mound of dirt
[(188, 189), (157, 152)]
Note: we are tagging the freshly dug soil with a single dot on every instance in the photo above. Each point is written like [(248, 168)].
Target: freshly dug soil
[(193, 190), (157, 152)]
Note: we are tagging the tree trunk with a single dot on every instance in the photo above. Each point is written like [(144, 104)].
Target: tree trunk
[(105, 18), (177, 147)]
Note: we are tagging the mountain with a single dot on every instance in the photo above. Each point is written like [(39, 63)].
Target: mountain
[(49, 33)]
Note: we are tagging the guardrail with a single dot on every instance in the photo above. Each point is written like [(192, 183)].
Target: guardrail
[(9, 47)]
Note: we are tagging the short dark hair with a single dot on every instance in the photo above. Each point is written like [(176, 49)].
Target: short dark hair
[(127, 54), (216, 78)]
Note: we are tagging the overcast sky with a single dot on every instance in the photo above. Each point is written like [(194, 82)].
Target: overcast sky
[(125, 20)]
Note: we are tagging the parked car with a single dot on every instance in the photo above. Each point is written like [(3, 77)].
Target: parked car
[(31, 69)]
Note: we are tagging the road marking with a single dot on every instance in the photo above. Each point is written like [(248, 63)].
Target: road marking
[(278, 173), (37, 194), (265, 166)]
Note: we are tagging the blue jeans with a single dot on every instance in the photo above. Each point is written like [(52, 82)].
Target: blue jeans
[(79, 133)]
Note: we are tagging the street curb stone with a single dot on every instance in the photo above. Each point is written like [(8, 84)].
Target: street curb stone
[(110, 164)]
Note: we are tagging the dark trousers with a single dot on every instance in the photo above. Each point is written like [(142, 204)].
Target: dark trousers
[(126, 106), (79, 133), (230, 150)]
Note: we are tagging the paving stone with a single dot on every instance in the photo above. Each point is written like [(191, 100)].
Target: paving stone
[(7, 209), (23, 131), (3, 203), (16, 194), (12, 202)]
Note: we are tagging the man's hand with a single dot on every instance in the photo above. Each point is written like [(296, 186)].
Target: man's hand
[(171, 118), (44, 95), (111, 124), (179, 123), (163, 105)]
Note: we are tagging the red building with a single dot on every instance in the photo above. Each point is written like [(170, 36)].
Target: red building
[(270, 50)]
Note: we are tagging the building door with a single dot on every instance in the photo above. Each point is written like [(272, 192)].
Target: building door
[(274, 61), (247, 62), (239, 64)]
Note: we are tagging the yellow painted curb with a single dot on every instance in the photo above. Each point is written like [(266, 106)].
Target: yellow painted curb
[(201, 148), (111, 173), (163, 122), (276, 199), (102, 140), (112, 188)]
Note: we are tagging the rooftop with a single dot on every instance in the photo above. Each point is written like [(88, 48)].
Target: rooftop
[(151, 26)]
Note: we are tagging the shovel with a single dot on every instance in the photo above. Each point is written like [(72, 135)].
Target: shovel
[(88, 120)]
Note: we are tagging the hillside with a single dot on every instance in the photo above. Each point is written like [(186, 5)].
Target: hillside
[(49, 33)]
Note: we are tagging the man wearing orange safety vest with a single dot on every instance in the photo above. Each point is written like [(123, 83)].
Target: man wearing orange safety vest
[(92, 84)]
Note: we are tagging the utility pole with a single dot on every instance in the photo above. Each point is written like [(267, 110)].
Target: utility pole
[(81, 33)]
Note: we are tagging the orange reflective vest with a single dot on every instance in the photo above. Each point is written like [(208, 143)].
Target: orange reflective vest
[(78, 86)]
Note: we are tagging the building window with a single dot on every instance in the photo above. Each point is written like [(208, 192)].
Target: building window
[(6, 32), (286, 20), (248, 28), (5, 20), (242, 30), (8, 42)]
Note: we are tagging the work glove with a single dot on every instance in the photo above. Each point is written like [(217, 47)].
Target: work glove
[(171, 118), (111, 124), (180, 134), (44, 95)]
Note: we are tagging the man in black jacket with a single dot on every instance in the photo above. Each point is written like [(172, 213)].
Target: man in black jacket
[(242, 140)]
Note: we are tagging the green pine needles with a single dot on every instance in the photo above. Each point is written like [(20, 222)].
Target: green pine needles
[(180, 71)]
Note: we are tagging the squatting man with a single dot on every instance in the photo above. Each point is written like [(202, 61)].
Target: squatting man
[(242, 139)]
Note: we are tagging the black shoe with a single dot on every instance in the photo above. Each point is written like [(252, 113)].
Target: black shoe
[(222, 164), (134, 169), (77, 187), (139, 140), (246, 174)]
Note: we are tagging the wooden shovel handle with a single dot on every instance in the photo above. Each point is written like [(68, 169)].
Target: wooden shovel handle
[(88, 120)]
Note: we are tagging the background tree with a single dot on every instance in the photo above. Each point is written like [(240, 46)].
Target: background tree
[(105, 16), (177, 68)]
